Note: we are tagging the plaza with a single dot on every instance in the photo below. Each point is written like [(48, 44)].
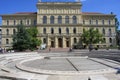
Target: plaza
[(77, 65)]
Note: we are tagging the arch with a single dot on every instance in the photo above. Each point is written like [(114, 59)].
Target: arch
[(52, 20), (44, 40), (110, 32), (67, 30), (110, 40), (59, 19), (59, 31), (103, 31), (74, 30), (44, 19), (44, 30), (67, 19), (52, 31), (74, 19), (7, 31), (7, 41)]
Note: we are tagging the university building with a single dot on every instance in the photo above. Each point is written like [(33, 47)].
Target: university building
[(60, 24)]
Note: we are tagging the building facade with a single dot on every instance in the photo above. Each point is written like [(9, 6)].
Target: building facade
[(60, 24)]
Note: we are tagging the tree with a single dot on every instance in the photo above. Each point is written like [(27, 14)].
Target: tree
[(21, 39), (91, 36), (34, 42)]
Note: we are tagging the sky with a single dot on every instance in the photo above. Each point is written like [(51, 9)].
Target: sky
[(102, 6)]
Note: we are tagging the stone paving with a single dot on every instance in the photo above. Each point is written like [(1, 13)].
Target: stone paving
[(65, 64)]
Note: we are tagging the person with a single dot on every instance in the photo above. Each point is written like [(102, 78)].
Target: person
[(90, 47)]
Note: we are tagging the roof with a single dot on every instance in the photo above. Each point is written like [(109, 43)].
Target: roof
[(92, 13), (26, 13)]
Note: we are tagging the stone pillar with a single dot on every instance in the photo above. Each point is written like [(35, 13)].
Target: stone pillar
[(49, 42), (56, 42), (64, 42), (71, 41)]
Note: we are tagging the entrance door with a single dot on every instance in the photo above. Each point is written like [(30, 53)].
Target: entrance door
[(67, 44), (52, 44), (60, 42)]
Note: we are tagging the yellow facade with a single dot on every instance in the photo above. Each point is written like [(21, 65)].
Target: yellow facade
[(60, 24)]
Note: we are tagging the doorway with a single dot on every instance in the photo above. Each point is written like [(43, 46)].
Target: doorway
[(60, 42)]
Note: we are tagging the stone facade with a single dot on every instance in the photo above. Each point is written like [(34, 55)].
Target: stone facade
[(60, 24)]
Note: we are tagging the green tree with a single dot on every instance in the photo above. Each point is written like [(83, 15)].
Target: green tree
[(21, 39), (91, 36), (34, 42)]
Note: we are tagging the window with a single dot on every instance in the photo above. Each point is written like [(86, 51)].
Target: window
[(110, 32), (14, 31), (7, 31), (109, 22), (7, 22), (103, 31), (35, 22), (44, 30), (14, 22), (59, 19), (103, 22), (75, 40), (74, 20), (96, 22), (7, 41), (52, 31), (44, 19), (104, 40), (44, 40), (110, 40), (60, 31), (52, 20), (74, 30), (28, 22), (67, 19), (83, 21), (21, 22), (67, 30), (90, 21)]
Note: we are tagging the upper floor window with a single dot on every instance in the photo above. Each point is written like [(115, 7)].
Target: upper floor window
[(52, 20), (110, 32), (60, 31), (109, 22), (74, 19), (103, 22), (21, 22), (28, 22), (14, 22), (67, 19), (35, 22), (103, 31), (7, 41), (14, 31), (44, 30), (96, 22), (67, 30), (7, 31), (83, 21), (52, 31), (7, 22), (110, 40), (90, 21), (59, 19), (44, 19), (74, 30)]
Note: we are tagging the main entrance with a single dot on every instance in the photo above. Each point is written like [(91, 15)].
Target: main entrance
[(60, 42)]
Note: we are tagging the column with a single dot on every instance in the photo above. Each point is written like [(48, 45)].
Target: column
[(56, 42), (64, 42), (71, 41), (49, 42)]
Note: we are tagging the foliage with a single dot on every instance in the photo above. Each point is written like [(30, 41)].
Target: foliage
[(21, 39), (116, 23), (91, 36), (25, 39)]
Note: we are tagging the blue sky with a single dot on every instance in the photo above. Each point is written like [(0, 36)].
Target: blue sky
[(103, 6)]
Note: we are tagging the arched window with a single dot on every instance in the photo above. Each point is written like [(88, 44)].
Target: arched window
[(44, 19), (75, 40), (52, 31), (67, 19), (96, 22), (52, 20), (109, 22), (35, 22), (60, 31), (103, 22), (44, 40), (83, 21), (7, 41), (74, 19), (21, 22), (110, 32), (110, 40), (44, 30), (67, 30), (59, 19), (103, 31), (74, 30), (14, 31), (7, 22), (7, 31), (14, 22), (104, 40)]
